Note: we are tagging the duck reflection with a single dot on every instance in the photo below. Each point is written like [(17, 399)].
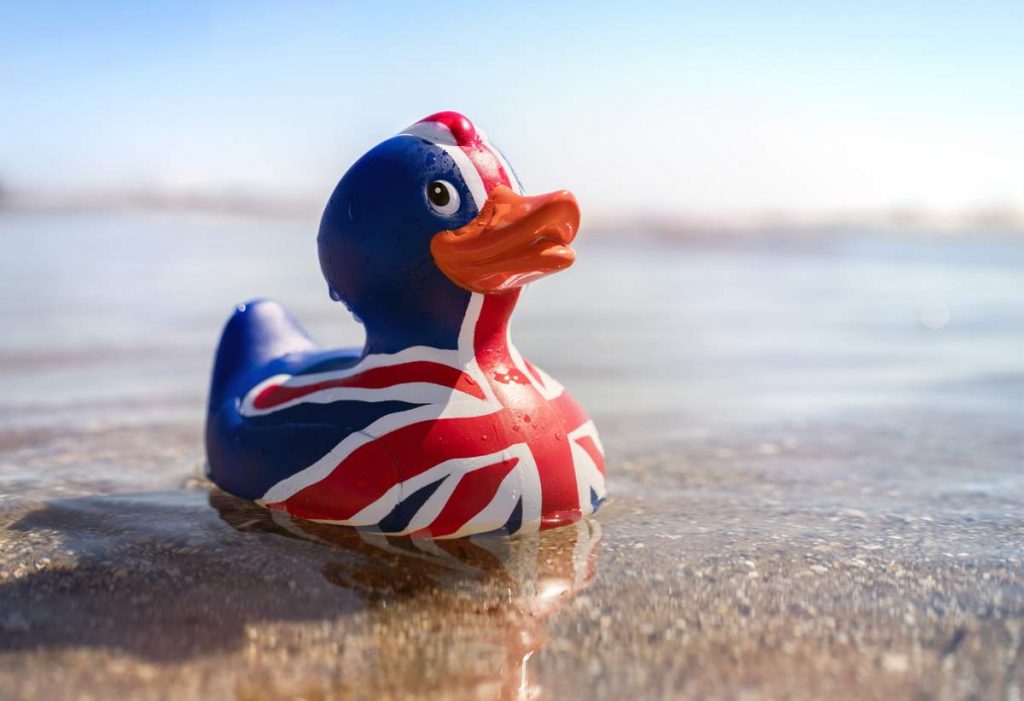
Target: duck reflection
[(451, 614)]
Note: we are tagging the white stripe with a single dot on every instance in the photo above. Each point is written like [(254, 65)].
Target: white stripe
[(439, 135), (467, 332), (469, 173), (588, 476), (409, 392), (447, 357), (372, 514), (532, 495)]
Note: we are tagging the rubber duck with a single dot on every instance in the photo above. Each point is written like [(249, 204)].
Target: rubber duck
[(437, 427)]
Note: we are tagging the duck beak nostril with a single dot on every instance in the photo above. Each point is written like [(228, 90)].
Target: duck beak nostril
[(512, 241)]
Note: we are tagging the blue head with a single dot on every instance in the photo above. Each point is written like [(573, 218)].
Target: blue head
[(425, 219)]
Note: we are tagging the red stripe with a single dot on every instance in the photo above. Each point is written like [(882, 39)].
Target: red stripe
[(490, 335), (376, 378), (479, 152), (550, 449), (487, 165), (473, 493), (458, 124)]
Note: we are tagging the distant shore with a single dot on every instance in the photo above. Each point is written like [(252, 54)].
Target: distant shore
[(1005, 221)]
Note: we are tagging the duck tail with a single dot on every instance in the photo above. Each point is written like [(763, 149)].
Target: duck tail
[(258, 333)]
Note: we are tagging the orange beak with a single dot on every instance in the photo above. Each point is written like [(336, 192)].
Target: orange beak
[(514, 240)]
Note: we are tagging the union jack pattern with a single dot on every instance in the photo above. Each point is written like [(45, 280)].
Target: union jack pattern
[(494, 443)]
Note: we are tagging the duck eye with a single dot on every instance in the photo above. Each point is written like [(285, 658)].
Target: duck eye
[(443, 197)]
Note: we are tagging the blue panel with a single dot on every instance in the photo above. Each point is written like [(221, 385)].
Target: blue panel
[(403, 512), (515, 519)]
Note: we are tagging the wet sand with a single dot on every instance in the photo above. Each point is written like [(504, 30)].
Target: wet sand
[(815, 454)]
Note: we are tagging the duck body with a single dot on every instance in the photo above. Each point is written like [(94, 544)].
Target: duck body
[(438, 427)]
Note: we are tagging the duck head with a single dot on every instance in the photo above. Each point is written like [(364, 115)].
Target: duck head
[(429, 217)]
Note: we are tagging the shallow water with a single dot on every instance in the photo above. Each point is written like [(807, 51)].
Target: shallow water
[(815, 460)]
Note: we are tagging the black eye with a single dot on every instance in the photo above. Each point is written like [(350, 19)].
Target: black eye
[(439, 193), (443, 197)]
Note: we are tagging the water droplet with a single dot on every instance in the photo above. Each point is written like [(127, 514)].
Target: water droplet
[(335, 295), (558, 436), (483, 437)]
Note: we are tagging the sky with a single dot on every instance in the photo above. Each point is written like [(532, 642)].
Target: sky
[(659, 108)]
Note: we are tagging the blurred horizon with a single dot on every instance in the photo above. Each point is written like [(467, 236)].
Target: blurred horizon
[(742, 112)]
